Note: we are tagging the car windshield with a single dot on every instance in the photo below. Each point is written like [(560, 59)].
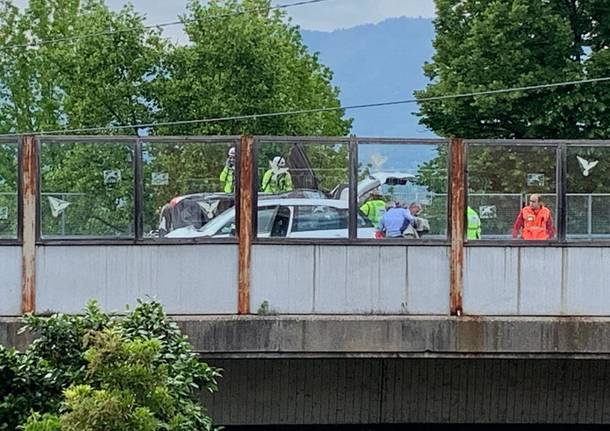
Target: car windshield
[(214, 226), (217, 225)]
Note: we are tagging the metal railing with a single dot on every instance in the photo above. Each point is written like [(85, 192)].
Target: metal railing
[(146, 163)]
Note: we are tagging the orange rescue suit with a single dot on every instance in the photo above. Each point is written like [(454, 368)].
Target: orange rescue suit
[(537, 225)]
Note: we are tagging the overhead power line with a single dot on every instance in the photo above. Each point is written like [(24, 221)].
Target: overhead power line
[(153, 26), (320, 110)]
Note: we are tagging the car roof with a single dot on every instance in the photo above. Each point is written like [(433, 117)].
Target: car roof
[(335, 203)]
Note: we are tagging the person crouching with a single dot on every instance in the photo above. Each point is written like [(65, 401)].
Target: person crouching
[(395, 220)]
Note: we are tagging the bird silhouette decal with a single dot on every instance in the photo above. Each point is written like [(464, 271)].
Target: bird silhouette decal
[(58, 206), (209, 208), (487, 212), (378, 160), (586, 165)]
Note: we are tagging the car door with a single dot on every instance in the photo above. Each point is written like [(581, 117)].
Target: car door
[(266, 222), (281, 223), (319, 221)]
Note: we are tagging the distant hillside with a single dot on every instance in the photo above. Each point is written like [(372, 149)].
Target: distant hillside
[(378, 62)]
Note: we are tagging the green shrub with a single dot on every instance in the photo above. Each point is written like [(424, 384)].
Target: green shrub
[(100, 372)]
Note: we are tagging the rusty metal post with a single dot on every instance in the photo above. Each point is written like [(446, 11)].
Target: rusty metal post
[(457, 222), (29, 192), (246, 195)]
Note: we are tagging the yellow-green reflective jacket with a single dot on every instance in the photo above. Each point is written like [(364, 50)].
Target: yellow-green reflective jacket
[(474, 224), (374, 210), (227, 179), (279, 184)]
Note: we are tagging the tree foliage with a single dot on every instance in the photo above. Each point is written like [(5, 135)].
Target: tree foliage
[(54, 77), (244, 58), (488, 45), (76, 63), (99, 372)]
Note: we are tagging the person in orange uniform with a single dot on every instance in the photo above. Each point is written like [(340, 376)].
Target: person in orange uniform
[(534, 221)]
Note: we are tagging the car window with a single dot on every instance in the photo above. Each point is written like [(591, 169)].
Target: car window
[(223, 224), (228, 228), (265, 219), (363, 221), (281, 222), (319, 217)]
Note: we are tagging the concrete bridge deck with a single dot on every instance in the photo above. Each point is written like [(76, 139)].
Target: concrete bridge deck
[(323, 336)]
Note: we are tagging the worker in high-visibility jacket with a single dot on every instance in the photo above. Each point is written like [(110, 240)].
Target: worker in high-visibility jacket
[(374, 208), (474, 224), (534, 221), (227, 176), (277, 179)]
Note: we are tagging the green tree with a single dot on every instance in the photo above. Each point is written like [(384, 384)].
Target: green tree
[(75, 81), (488, 45), (245, 58), (100, 372)]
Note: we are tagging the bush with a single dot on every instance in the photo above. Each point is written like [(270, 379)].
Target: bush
[(100, 372)]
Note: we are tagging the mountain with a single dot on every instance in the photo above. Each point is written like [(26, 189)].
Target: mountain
[(377, 63)]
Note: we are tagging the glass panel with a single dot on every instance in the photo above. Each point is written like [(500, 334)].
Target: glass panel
[(402, 189), (502, 180), (87, 190), (9, 173), (310, 183), (588, 193), (186, 185)]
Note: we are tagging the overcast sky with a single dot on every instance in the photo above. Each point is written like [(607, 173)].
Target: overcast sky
[(325, 16)]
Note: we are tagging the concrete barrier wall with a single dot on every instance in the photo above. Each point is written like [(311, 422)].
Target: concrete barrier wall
[(333, 279), (537, 281), (189, 279), (10, 280), (315, 279)]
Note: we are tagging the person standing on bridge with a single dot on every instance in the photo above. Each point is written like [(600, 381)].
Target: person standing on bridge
[(374, 208), (474, 224), (534, 221), (277, 179), (227, 176)]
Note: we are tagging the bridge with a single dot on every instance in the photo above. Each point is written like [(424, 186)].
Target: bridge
[(314, 320)]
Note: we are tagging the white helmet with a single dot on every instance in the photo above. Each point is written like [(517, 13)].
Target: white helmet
[(279, 161), (231, 152)]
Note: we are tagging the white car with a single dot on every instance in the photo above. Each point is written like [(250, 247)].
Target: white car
[(287, 218)]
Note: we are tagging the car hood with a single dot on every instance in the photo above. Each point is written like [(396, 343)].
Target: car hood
[(185, 232)]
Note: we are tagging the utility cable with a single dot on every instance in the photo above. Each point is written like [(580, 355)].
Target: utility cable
[(321, 110)]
